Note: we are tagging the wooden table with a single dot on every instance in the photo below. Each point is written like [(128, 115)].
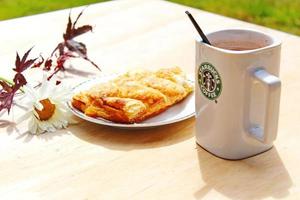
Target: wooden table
[(89, 161)]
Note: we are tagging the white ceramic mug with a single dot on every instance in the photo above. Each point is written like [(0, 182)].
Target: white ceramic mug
[(237, 93)]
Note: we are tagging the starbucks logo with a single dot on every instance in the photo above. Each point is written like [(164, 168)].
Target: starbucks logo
[(209, 81)]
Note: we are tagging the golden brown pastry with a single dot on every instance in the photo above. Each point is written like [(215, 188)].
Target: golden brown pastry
[(135, 95)]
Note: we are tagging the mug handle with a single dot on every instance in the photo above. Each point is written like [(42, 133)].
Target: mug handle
[(268, 133)]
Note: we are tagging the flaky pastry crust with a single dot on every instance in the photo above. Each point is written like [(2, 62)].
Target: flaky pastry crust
[(134, 96)]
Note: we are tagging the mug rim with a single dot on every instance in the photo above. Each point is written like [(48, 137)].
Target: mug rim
[(276, 42)]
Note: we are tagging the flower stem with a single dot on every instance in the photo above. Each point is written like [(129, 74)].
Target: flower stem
[(7, 81), (10, 83)]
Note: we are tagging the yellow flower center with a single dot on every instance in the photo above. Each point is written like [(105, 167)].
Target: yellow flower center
[(48, 110)]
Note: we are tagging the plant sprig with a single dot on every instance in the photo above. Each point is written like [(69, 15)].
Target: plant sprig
[(9, 88), (69, 48)]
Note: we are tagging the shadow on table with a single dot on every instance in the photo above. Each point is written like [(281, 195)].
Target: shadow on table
[(257, 177), (27, 136), (8, 125), (11, 127), (124, 139)]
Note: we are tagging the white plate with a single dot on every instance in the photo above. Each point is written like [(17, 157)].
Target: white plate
[(179, 112)]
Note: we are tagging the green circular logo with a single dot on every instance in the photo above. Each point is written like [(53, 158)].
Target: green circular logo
[(209, 81)]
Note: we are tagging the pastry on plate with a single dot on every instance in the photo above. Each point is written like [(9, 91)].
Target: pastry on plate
[(134, 96)]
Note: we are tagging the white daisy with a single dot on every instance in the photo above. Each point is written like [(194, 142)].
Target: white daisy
[(46, 107)]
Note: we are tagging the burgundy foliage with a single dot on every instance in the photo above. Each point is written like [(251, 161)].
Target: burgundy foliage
[(65, 50), (8, 90), (69, 48)]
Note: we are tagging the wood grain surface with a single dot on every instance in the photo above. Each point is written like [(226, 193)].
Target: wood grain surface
[(88, 161)]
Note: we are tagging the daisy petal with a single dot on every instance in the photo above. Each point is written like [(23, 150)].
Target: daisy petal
[(32, 126), (24, 117), (58, 95), (44, 87)]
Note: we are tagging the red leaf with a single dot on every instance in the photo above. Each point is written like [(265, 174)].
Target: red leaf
[(81, 30), (26, 55), (6, 100), (70, 48), (48, 64), (24, 63), (59, 47), (27, 64), (8, 91), (18, 61), (19, 81), (77, 47), (38, 64), (68, 33), (77, 19)]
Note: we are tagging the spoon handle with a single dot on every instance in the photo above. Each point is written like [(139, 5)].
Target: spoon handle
[(204, 38)]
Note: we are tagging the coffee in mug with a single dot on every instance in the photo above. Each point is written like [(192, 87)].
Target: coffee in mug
[(237, 46)]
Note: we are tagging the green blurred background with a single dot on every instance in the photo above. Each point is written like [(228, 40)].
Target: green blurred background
[(278, 14)]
